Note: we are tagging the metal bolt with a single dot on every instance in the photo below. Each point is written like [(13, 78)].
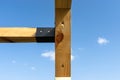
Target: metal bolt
[(40, 31), (62, 24)]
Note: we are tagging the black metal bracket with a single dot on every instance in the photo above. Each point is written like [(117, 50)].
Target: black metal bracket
[(45, 35)]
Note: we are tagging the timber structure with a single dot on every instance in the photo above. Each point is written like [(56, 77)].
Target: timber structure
[(60, 35)]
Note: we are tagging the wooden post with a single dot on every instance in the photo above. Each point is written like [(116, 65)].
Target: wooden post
[(62, 40)]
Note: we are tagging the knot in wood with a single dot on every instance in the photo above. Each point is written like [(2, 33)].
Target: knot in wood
[(59, 37)]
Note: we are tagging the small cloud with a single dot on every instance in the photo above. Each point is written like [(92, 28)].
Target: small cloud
[(33, 68), (80, 49), (102, 41), (13, 61), (72, 57), (51, 55)]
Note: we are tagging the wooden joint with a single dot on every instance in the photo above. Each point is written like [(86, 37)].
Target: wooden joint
[(13, 35), (45, 35)]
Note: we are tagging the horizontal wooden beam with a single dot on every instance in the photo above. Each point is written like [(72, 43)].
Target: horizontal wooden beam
[(26, 35), (63, 3)]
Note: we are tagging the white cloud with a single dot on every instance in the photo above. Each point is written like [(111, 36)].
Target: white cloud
[(72, 57), (80, 49), (51, 55), (33, 68), (13, 61), (102, 41)]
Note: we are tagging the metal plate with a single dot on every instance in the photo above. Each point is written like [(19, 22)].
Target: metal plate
[(45, 35)]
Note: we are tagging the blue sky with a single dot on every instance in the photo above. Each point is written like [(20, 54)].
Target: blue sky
[(95, 40)]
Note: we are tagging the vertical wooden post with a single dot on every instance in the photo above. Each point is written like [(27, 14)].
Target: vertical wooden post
[(62, 43)]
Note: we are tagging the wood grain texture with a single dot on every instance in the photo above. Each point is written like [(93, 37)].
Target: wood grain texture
[(63, 3), (17, 34), (63, 42)]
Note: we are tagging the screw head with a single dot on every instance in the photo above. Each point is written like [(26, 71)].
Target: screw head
[(41, 31)]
